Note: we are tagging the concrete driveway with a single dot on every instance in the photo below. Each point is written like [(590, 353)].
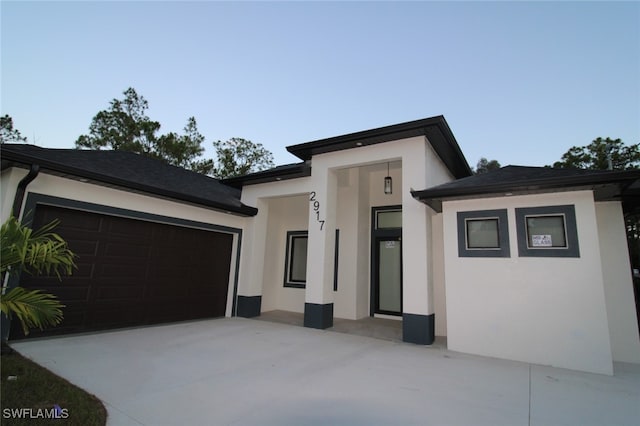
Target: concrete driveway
[(235, 371)]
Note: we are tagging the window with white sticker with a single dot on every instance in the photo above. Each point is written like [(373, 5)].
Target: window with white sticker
[(548, 231)]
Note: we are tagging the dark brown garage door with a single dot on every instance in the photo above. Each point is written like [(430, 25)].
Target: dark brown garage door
[(133, 272)]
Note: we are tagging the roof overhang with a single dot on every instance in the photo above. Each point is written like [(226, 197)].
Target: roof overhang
[(435, 129), (286, 172), (20, 160), (606, 187)]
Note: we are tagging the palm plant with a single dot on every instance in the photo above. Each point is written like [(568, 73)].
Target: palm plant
[(35, 252)]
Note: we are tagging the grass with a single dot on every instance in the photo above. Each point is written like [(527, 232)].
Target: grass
[(26, 385)]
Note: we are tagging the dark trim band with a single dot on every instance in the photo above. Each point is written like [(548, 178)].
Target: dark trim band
[(318, 316)]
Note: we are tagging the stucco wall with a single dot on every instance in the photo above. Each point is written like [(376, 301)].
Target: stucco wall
[(90, 193), (439, 290), (358, 175), (542, 310), (8, 183), (618, 284), (285, 214)]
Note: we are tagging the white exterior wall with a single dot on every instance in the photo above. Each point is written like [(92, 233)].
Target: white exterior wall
[(354, 179), (285, 214), (618, 283), (362, 266), (74, 190), (439, 290), (8, 185), (252, 259), (542, 310)]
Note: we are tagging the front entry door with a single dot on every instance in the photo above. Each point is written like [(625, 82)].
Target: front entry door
[(388, 285)]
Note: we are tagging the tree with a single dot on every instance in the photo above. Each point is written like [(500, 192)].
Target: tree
[(7, 132), (33, 252), (595, 156), (184, 150), (126, 126), (237, 157), (484, 166)]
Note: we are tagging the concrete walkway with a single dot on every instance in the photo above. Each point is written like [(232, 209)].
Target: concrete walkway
[(236, 371)]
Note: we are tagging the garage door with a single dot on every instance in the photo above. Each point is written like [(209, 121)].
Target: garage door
[(133, 272)]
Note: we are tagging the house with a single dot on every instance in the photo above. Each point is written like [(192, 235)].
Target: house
[(527, 264)]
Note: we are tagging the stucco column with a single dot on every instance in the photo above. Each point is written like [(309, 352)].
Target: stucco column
[(318, 307), (249, 299), (418, 319)]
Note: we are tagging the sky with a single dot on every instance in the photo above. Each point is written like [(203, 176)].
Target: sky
[(519, 82)]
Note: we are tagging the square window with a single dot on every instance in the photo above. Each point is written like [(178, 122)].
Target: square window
[(548, 231), (483, 233), (295, 274)]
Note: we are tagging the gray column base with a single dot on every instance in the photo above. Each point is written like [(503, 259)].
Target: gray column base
[(249, 306), (318, 316), (419, 329)]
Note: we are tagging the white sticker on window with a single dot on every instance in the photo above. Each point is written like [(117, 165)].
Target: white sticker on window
[(541, 241), (389, 244)]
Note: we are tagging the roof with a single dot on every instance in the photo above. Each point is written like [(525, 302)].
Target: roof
[(512, 180), (435, 129), (288, 171), (132, 172)]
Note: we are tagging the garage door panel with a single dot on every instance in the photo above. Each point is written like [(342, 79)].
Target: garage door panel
[(84, 270), (126, 249), (114, 316), (70, 221), (127, 229), (169, 275), (131, 272), (157, 292), (118, 293), (115, 270), (83, 248), (69, 294)]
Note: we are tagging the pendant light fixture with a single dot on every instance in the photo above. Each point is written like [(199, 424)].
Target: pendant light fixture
[(388, 184)]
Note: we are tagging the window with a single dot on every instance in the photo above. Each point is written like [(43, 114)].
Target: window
[(386, 219), (483, 233), (295, 274), (548, 231)]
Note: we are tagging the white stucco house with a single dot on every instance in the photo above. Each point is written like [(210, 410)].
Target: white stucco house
[(524, 263)]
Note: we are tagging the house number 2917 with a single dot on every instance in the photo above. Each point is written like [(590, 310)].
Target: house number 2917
[(316, 208)]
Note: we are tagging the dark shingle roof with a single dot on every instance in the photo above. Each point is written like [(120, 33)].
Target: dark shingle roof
[(526, 180), (435, 129), (284, 172), (132, 172)]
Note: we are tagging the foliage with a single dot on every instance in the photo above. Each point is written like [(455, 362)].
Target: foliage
[(34, 252), (33, 308), (126, 126), (238, 157), (26, 384), (7, 132), (184, 150), (484, 166), (595, 156)]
